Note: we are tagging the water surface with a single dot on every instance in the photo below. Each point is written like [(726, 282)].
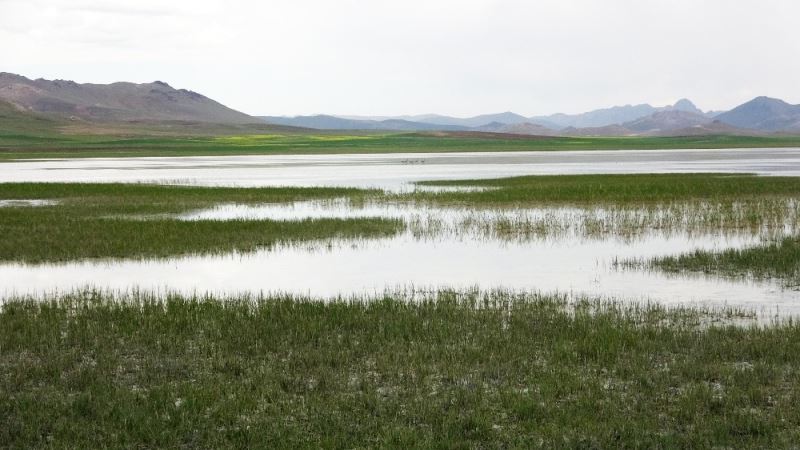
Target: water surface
[(395, 171), (438, 249)]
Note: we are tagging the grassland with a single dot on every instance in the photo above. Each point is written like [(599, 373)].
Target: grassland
[(451, 370), (456, 370), (779, 260), (21, 144), (107, 220)]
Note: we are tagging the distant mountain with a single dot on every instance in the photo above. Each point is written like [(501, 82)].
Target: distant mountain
[(508, 118), (608, 130), (114, 102), (326, 122), (28, 104), (764, 113), (612, 116), (438, 119), (664, 121), (321, 122), (517, 128)]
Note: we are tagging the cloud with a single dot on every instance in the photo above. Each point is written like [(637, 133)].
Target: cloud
[(417, 56), (122, 9)]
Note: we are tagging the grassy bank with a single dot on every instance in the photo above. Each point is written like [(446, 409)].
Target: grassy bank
[(496, 370), (108, 220), (779, 260), (22, 145)]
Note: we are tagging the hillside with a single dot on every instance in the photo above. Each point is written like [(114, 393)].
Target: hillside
[(116, 102), (764, 113), (664, 121), (13, 120)]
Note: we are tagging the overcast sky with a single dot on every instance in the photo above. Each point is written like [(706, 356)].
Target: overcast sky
[(377, 57)]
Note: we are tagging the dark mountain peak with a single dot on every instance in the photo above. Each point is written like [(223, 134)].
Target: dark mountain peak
[(162, 84), (8, 76), (685, 104)]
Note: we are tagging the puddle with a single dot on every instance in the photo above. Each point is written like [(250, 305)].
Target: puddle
[(21, 202)]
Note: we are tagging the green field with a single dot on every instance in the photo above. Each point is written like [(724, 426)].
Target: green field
[(458, 370), (21, 145)]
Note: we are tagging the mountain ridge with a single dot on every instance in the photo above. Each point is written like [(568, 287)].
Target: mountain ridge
[(64, 101), (119, 101), (764, 113)]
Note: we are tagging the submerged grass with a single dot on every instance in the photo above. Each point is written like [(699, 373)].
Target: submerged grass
[(454, 369), (779, 260), (767, 217), (611, 189), (139, 220), (104, 221), (621, 205)]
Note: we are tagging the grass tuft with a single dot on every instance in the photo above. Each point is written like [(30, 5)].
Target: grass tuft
[(453, 369)]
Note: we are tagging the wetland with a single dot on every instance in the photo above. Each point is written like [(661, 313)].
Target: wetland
[(230, 311)]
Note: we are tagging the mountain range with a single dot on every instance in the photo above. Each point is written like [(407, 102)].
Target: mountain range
[(761, 115), (158, 102), (116, 102)]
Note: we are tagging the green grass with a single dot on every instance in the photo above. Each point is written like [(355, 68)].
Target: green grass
[(135, 220), (466, 370), (779, 260), (106, 221), (612, 189), (22, 144)]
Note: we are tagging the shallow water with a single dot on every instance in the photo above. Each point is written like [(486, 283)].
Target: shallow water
[(441, 248), (24, 202), (452, 257), (394, 171)]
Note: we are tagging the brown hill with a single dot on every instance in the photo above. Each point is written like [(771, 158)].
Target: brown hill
[(116, 102)]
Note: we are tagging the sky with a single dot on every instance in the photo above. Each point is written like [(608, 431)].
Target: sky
[(378, 57)]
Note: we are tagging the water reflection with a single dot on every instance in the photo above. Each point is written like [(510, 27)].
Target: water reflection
[(568, 264)]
